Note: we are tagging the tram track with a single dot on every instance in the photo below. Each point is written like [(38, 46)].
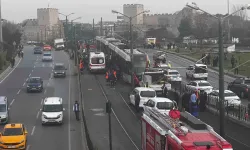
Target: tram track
[(114, 113)]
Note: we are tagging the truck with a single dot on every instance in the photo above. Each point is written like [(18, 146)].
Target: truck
[(161, 132), (155, 78), (59, 44), (150, 42)]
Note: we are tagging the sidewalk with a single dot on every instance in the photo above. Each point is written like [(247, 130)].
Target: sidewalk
[(9, 70)]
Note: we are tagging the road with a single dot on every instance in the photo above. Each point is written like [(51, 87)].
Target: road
[(236, 134), (213, 76), (25, 107)]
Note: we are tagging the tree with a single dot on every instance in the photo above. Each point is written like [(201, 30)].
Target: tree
[(242, 14), (185, 27), (201, 27), (159, 34)]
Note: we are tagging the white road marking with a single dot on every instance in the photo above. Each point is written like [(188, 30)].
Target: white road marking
[(118, 119), (37, 115), (33, 130), (32, 70), (48, 84), (11, 71), (24, 84), (18, 91), (34, 67), (28, 147), (27, 79), (127, 105), (41, 101), (69, 122), (43, 65), (12, 102), (29, 74), (45, 91)]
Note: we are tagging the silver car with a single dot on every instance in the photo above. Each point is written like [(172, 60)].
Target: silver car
[(4, 110)]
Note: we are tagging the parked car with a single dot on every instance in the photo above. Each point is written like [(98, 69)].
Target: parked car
[(240, 86), (199, 85)]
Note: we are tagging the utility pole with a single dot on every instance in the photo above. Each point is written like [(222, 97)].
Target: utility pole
[(93, 30), (131, 52), (221, 80), (101, 27), (1, 27), (109, 110), (74, 45), (45, 34), (66, 26), (41, 35), (228, 23), (60, 31)]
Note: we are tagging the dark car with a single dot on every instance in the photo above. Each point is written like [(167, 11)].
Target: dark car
[(240, 86), (35, 84), (59, 70), (38, 50)]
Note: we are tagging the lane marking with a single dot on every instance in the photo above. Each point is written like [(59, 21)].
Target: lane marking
[(37, 115), (34, 67), (69, 121), (33, 130), (24, 84), (48, 84), (12, 102), (127, 105), (45, 91), (11, 71), (27, 79), (32, 70), (117, 118), (28, 147), (18, 92), (41, 101), (29, 74)]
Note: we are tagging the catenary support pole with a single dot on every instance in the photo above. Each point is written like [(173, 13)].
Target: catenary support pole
[(93, 30), (1, 28), (221, 80), (131, 52), (101, 30)]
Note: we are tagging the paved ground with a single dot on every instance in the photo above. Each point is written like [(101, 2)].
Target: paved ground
[(24, 107)]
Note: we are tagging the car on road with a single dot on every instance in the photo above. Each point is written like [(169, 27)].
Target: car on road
[(38, 50), (199, 85), (14, 136), (141, 95), (163, 105), (47, 48), (240, 86), (59, 70), (197, 71), (47, 57), (231, 99), (4, 110), (52, 110), (35, 84), (173, 75)]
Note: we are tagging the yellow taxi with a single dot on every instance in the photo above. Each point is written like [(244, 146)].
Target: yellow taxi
[(14, 136)]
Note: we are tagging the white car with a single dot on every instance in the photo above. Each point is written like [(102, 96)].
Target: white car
[(173, 75), (231, 99), (163, 105), (199, 85), (142, 94), (197, 71), (47, 57), (52, 110)]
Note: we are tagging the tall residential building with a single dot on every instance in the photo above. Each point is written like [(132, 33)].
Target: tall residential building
[(132, 10)]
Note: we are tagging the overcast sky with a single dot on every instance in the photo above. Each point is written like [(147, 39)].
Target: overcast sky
[(18, 10)]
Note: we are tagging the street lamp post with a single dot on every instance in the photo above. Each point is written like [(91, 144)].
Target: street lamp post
[(131, 40), (221, 62), (73, 40), (66, 34)]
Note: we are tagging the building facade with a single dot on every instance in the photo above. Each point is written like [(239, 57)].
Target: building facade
[(132, 10), (31, 30)]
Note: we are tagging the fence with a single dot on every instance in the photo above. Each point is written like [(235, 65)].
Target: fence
[(181, 95)]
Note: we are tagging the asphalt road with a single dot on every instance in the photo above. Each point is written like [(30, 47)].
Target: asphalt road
[(25, 107), (236, 134), (213, 76)]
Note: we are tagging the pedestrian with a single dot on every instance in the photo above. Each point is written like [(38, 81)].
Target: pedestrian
[(233, 61), (203, 100), (193, 104), (76, 109), (236, 69)]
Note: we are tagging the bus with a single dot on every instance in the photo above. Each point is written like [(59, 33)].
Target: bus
[(119, 53)]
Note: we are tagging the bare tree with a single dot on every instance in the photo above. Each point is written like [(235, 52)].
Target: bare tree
[(242, 14), (201, 27)]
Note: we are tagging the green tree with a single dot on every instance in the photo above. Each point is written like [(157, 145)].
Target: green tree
[(185, 27)]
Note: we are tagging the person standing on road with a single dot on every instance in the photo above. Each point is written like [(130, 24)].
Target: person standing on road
[(76, 109), (236, 69)]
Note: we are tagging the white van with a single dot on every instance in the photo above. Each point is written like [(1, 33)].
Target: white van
[(197, 71), (97, 62), (52, 110)]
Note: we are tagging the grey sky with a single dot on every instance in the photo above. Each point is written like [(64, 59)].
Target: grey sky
[(18, 10)]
